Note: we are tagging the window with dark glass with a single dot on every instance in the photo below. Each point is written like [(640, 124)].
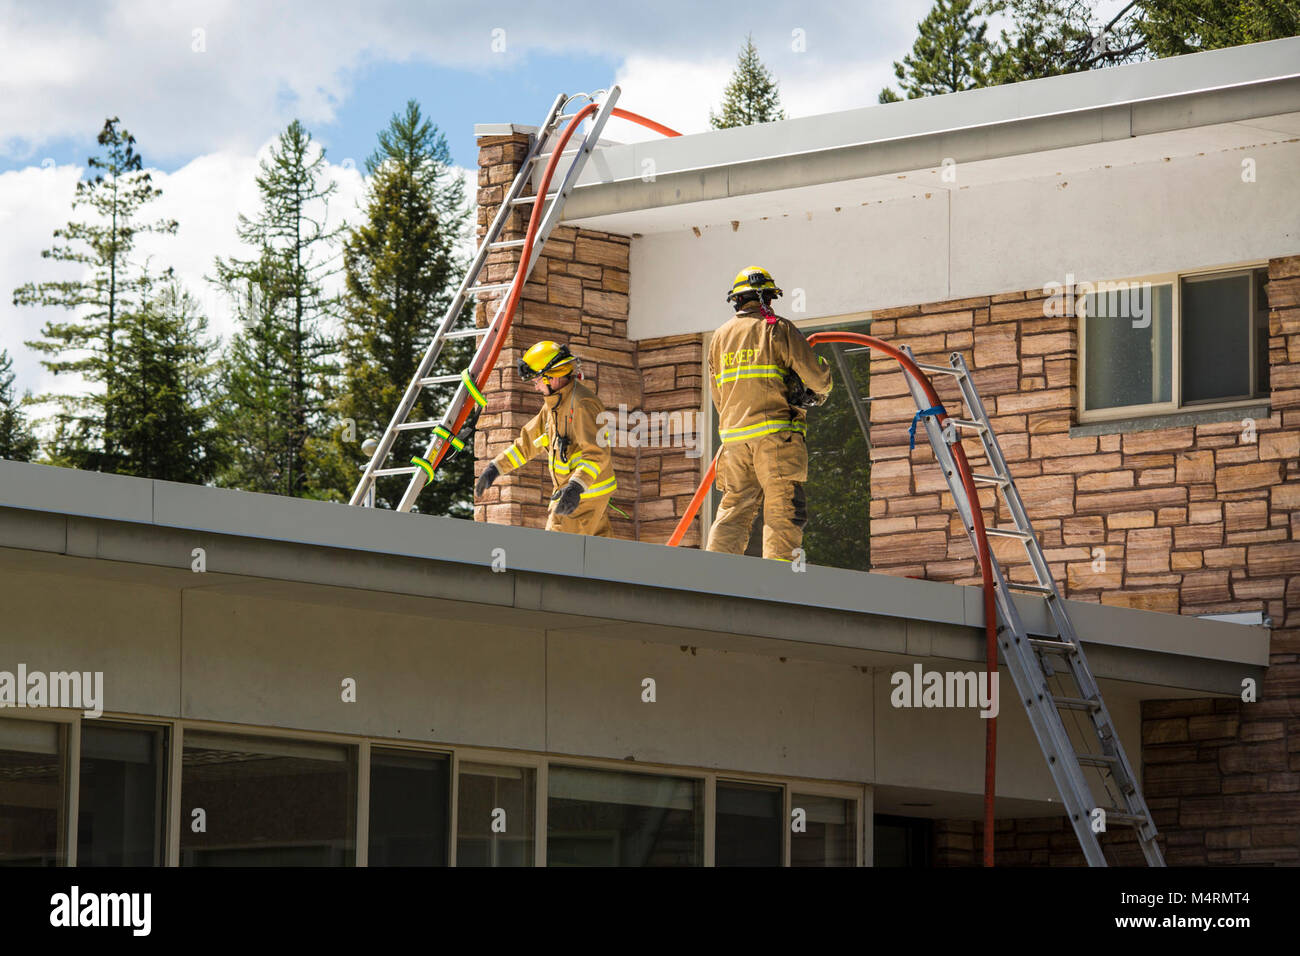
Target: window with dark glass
[(410, 808), (902, 841), (121, 802), (1139, 353), (267, 802), (32, 786), (496, 815), (611, 818), (748, 825), (829, 833)]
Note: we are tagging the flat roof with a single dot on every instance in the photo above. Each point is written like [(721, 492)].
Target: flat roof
[(1156, 101), (648, 591)]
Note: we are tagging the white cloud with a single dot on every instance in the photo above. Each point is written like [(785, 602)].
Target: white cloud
[(204, 196), (64, 67)]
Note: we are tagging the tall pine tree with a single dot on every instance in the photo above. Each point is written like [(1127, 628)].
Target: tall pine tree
[(277, 370), (17, 443), (111, 286), (752, 95), (402, 267)]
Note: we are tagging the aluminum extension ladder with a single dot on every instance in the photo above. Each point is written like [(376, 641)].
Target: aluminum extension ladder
[(514, 198), (1029, 658)]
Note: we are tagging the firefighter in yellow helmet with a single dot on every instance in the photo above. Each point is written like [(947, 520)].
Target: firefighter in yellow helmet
[(763, 375), (568, 432)]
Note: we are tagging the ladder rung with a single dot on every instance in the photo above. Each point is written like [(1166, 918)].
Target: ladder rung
[(529, 200), (941, 370), (965, 423), (1077, 703), (412, 426), (381, 472), (990, 480), (1009, 533), (490, 287), (1123, 816), (1096, 760), (439, 380), (506, 244), (1047, 645), (465, 333), (1035, 588)]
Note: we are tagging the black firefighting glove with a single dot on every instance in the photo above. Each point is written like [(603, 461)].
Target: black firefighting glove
[(568, 499), (490, 474)]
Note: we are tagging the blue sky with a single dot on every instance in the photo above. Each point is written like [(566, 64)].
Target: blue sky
[(455, 99)]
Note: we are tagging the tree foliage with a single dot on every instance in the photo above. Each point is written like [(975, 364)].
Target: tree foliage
[(112, 285), (164, 391), (402, 267), (752, 96), (951, 53), (17, 443), (277, 370)]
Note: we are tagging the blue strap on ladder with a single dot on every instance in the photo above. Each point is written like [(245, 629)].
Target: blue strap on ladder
[(937, 410)]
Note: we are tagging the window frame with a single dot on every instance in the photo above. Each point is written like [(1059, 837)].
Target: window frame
[(1176, 405), (175, 728)]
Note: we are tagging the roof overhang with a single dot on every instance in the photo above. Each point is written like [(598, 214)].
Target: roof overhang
[(1143, 112), (443, 567)]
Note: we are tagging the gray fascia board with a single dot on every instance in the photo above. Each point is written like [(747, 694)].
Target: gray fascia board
[(291, 522), (1077, 109)]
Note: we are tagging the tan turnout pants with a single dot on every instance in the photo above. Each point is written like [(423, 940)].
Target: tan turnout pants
[(773, 468), (592, 517)]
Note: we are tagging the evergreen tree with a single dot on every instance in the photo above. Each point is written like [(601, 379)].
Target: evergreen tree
[(17, 443), (1051, 37), (951, 53), (752, 95), (252, 414), (1173, 27), (401, 267), (285, 280), (164, 390), (111, 286)]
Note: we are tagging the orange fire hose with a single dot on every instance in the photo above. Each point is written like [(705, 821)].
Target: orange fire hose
[(977, 527)]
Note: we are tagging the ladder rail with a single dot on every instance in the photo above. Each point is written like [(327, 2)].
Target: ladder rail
[(1064, 763), (1017, 654), (453, 311), (1080, 671), (489, 344)]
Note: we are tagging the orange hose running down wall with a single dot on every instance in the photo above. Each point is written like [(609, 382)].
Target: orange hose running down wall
[(977, 527)]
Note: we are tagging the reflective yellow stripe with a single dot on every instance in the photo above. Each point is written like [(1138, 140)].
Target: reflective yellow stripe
[(446, 435), (606, 487), (516, 457), (761, 428), (584, 465), (473, 389), (542, 440), (750, 371), (559, 467)]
